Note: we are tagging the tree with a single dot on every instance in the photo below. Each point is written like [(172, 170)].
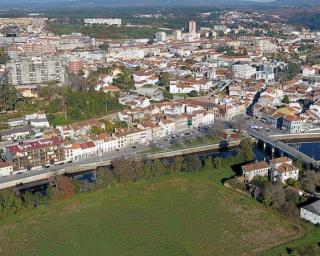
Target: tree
[(104, 177), (217, 163), (127, 171), (308, 181), (157, 168), (177, 164), (238, 123), (208, 165), (164, 79), (286, 99), (62, 187), (7, 199), (104, 46), (217, 128), (193, 93), (275, 193), (246, 150), (192, 163), (167, 95)]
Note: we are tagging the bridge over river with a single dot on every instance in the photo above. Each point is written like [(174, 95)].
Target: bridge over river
[(273, 142)]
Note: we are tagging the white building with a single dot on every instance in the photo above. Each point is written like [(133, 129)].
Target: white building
[(293, 124), (105, 21), (250, 171), (160, 36), (6, 168), (311, 212), (283, 169), (243, 71), (177, 35), (268, 77), (192, 27)]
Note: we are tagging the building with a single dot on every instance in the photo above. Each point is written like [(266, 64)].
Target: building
[(311, 212), (293, 124), (103, 21), (35, 154), (192, 27), (249, 171), (15, 133), (243, 71), (30, 70), (283, 169), (74, 66), (5, 168), (160, 36), (177, 35)]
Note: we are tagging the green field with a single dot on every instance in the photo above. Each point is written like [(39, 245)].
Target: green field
[(110, 32), (188, 214)]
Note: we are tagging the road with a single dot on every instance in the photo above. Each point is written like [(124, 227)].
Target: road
[(163, 143)]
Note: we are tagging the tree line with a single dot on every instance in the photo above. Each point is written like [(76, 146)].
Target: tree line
[(121, 172)]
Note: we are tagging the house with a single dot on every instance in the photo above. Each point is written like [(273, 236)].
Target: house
[(283, 169), (15, 133), (293, 124), (250, 171), (311, 212), (17, 122), (6, 168)]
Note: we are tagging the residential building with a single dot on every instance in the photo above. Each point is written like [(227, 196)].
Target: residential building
[(293, 124), (177, 35), (160, 36), (283, 169), (243, 71), (249, 171), (192, 27), (103, 21), (5, 168), (311, 212), (35, 154), (30, 70)]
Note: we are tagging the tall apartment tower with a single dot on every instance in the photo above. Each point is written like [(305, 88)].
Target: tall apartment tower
[(192, 27), (177, 35)]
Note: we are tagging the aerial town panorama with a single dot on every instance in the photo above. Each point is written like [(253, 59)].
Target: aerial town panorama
[(160, 127)]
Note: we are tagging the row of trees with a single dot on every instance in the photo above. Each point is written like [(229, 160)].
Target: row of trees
[(60, 187), (124, 171)]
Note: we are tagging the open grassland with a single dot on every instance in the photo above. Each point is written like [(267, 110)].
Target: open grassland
[(188, 214)]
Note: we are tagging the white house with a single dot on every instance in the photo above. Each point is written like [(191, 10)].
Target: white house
[(249, 171), (293, 124), (176, 87), (6, 168), (17, 122), (283, 169), (311, 212)]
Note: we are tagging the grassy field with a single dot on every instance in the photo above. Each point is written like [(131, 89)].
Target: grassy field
[(179, 215), (104, 31)]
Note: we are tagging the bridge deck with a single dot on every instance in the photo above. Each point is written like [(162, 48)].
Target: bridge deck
[(283, 147)]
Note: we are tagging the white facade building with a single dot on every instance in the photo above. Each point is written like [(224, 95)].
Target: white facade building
[(250, 171), (243, 71), (106, 21), (311, 212), (160, 36)]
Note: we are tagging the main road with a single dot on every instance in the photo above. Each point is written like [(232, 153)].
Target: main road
[(89, 163)]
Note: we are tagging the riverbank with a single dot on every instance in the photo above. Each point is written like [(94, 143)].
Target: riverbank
[(158, 217)]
